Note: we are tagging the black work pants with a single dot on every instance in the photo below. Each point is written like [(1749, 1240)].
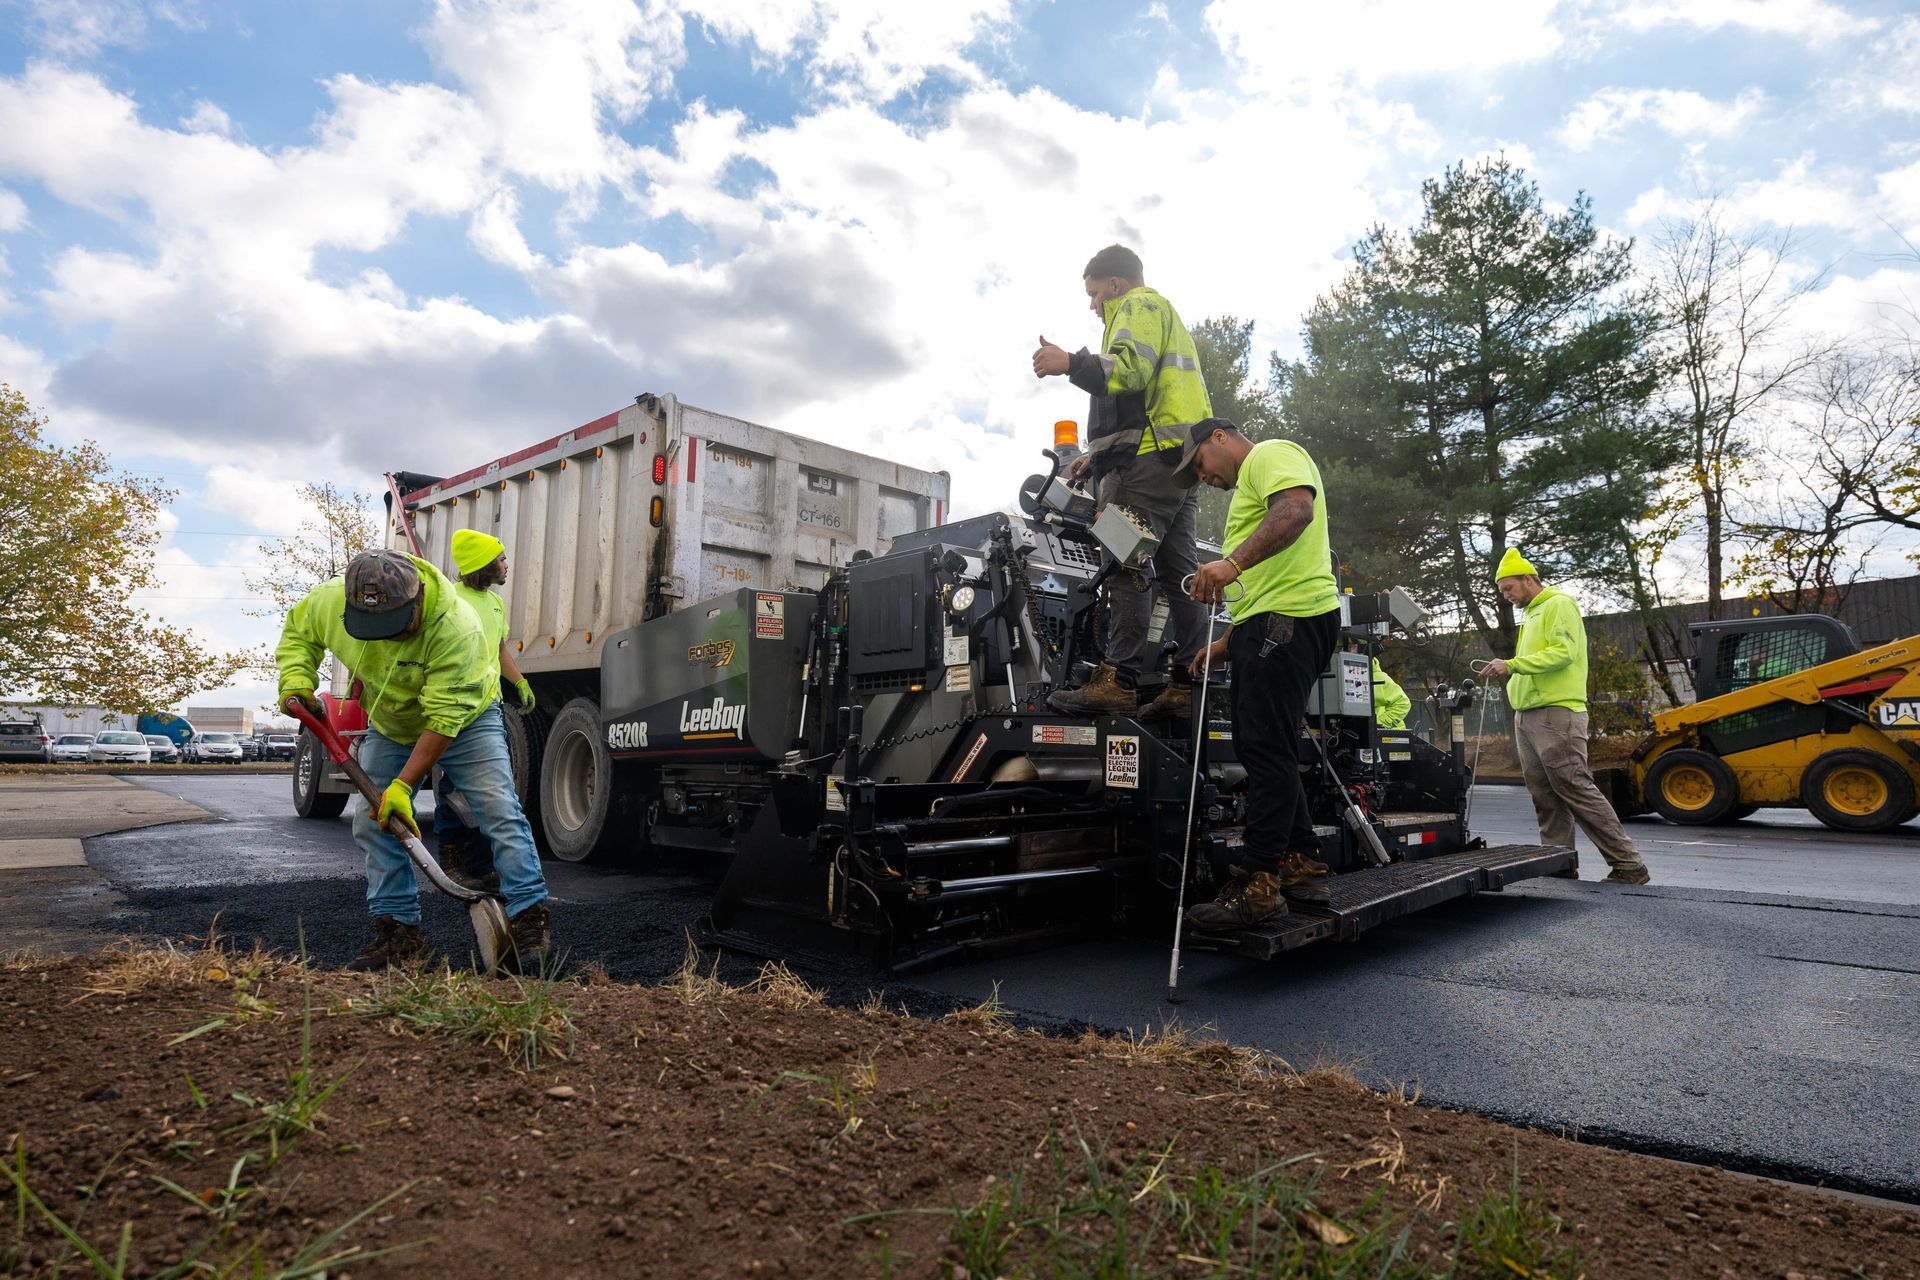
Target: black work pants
[(1269, 703), (1145, 486)]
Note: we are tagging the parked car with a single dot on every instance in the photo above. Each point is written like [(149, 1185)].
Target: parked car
[(252, 748), (280, 746), (25, 740), (164, 752), (72, 748), (116, 746), (214, 748)]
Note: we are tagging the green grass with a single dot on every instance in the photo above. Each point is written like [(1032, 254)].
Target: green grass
[(524, 1018), (1077, 1212)]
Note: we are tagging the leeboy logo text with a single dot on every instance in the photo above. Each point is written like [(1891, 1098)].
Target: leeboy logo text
[(716, 718)]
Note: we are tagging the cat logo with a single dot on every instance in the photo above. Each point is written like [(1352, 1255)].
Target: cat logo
[(1898, 715), (717, 652)]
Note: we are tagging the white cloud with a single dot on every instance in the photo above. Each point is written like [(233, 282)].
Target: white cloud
[(1886, 76), (1800, 195), (82, 28), (1282, 46), (13, 211), (1680, 112), (1815, 20), (207, 117), (859, 48)]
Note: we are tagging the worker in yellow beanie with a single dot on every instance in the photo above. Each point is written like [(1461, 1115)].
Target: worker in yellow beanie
[(480, 560), (1547, 689)]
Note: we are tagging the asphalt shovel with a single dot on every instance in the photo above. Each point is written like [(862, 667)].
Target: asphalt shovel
[(491, 935)]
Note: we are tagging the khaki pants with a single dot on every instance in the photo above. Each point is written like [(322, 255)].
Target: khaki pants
[(1552, 743)]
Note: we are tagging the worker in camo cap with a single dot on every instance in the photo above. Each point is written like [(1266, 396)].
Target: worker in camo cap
[(429, 685), (1547, 688), (481, 561)]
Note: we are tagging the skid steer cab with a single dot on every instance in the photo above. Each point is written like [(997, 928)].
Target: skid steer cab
[(872, 765), (1791, 712)]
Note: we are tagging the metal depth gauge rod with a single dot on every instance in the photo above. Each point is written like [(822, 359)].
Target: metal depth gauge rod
[(1193, 786)]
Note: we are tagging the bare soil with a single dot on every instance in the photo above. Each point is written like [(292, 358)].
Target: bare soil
[(694, 1130)]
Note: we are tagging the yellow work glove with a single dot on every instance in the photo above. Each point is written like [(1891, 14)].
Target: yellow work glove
[(524, 688), (397, 802)]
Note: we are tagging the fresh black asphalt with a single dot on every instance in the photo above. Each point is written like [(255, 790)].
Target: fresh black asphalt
[(1758, 1006)]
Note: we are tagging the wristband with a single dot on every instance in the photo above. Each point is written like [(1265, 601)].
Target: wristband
[(1237, 570)]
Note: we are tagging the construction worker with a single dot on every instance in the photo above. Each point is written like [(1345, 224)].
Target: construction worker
[(1285, 624), (481, 561), (430, 686), (1146, 389), (1547, 689), (1390, 701)]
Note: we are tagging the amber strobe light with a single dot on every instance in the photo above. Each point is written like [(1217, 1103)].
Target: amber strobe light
[(1066, 433), (659, 470), (656, 510)]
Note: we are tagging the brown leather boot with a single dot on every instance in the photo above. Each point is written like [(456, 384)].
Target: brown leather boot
[(457, 859), (1628, 875), (1246, 900), (531, 939), (1174, 703), (1103, 695), (1303, 878), (394, 944)]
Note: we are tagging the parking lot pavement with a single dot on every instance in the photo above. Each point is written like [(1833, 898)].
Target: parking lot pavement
[(1757, 1006)]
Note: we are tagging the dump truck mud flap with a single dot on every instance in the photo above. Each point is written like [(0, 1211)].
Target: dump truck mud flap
[(1363, 899)]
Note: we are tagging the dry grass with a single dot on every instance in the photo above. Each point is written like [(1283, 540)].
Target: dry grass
[(988, 1015), (692, 985), (780, 987), (128, 966), (1174, 1045), (27, 959)]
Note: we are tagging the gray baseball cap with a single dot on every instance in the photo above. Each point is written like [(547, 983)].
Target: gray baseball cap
[(381, 589), (1198, 434)]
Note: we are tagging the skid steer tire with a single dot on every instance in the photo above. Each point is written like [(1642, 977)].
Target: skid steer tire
[(1855, 790), (309, 765), (1739, 813), (1691, 788), (588, 807)]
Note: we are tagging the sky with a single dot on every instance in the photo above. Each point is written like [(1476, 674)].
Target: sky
[(247, 244)]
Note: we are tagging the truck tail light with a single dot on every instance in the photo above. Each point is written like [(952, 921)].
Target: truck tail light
[(659, 470), (656, 511)]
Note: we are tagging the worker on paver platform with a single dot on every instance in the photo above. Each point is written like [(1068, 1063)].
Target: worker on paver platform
[(430, 688), (1390, 701), (1285, 624), (481, 560), (1146, 389), (1547, 689)]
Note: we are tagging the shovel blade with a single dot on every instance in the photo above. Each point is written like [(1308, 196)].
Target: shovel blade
[(492, 936)]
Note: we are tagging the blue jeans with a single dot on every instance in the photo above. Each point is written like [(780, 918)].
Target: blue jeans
[(447, 825), (477, 763)]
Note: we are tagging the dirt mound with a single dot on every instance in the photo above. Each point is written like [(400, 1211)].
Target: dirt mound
[(213, 1107)]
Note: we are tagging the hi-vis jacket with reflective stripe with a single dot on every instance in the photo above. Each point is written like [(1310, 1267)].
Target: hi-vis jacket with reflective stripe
[(1149, 365)]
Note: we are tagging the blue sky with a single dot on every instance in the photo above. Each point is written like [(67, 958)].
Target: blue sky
[(249, 243)]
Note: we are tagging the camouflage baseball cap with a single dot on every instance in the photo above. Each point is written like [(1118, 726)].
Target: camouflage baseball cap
[(381, 588)]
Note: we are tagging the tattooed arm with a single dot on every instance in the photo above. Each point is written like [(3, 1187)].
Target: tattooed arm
[(1289, 512)]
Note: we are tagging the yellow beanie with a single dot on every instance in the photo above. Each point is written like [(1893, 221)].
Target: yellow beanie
[(473, 549), (1512, 565)]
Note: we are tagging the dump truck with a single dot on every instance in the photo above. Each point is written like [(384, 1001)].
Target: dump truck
[(632, 516), (792, 667), (1789, 712)]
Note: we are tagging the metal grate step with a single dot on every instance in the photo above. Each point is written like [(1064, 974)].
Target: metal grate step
[(1362, 900)]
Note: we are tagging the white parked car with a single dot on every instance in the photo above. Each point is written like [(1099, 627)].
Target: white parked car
[(72, 748), (164, 752), (117, 747), (214, 748)]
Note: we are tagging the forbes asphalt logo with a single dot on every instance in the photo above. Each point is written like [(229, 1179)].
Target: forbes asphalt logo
[(718, 718), (717, 652), (1902, 714), (628, 735)]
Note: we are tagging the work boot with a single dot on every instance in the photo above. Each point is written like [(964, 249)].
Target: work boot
[(395, 944), (1628, 875), (1246, 900), (1174, 703), (1303, 878), (1103, 695), (457, 860), (530, 938)]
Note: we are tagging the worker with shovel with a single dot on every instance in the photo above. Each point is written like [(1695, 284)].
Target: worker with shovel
[(481, 560), (430, 692)]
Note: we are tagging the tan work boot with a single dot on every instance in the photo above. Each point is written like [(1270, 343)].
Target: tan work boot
[(1303, 878), (1174, 703), (394, 944), (1103, 695), (1246, 900), (1628, 875)]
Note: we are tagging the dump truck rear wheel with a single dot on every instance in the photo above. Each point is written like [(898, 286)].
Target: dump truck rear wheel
[(585, 812), (309, 766), (1857, 791), (1690, 787)]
